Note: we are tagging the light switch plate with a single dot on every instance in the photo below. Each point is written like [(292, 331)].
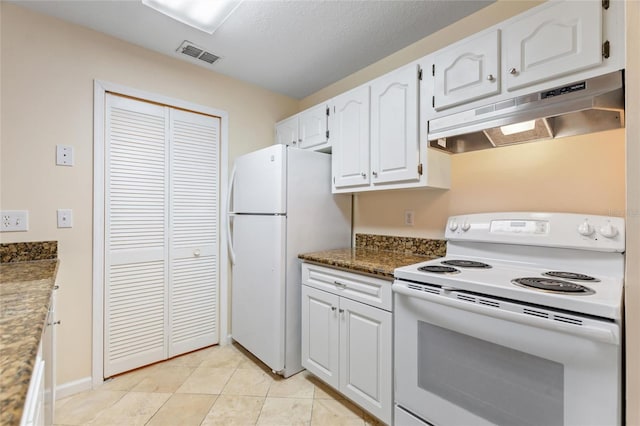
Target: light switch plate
[(65, 218), (14, 220), (64, 155)]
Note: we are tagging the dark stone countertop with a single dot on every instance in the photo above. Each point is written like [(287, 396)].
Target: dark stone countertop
[(25, 294), (380, 263)]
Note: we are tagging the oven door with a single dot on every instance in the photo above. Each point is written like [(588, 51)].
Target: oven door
[(464, 359)]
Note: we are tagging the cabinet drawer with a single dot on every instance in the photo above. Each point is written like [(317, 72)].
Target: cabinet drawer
[(362, 288)]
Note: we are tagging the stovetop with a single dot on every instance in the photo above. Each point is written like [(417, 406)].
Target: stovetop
[(602, 297)]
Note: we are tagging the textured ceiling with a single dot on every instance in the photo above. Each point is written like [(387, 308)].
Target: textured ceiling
[(293, 47)]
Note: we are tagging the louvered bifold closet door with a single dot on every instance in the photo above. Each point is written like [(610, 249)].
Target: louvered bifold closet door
[(136, 237), (194, 231)]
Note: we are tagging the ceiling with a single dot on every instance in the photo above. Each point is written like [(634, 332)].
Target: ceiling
[(293, 47)]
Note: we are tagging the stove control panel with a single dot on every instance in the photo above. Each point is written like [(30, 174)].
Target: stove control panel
[(536, 227), (564, 230)]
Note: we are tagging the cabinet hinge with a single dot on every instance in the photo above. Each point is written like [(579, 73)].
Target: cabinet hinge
[(605, 4), (420, 74), (327, 111), (433, 69), (433, 101), (420, 169), (334, 180), (605, 49), (327, 134)]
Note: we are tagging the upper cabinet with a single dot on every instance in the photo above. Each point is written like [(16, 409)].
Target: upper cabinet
[(306, 130), (554, 44), (349, 124), (556, 41), (394, 127), (376, 139), (467, 71), (287, 131)]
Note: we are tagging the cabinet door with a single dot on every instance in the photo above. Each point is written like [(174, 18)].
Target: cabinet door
[(313, 127), (560, 39), (365, 357), (287, 131), (349, 127), (467, 72), (394, 127), (320, 334)]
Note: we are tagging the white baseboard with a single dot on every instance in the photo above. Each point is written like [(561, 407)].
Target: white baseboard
[(224, 341), (72, 388)]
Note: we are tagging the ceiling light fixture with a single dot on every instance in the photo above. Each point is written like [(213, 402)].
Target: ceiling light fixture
[(205, 15)]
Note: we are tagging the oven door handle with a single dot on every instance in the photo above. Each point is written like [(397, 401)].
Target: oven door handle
[(601, 334)]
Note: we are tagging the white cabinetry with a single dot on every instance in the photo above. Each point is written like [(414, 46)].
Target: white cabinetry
[(347, 335), (349, 123), (376, 137), (395, 152), (553, 42), (556, 43), (39, 403), (467, 71), (306, 130)]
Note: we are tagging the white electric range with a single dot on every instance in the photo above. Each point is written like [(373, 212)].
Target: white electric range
[(520, 323)]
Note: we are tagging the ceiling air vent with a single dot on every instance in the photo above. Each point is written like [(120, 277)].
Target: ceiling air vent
[(190, 49)]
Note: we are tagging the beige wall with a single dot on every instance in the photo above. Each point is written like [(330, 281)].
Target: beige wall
[(47, 74), (579, 175), (632, 283)]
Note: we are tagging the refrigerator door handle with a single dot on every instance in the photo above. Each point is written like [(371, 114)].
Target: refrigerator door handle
[(232, 254)]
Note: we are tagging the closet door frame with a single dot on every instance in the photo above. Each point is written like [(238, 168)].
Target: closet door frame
[(101, 88)]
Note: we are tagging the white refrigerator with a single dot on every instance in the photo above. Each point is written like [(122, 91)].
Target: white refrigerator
[(282, 206)]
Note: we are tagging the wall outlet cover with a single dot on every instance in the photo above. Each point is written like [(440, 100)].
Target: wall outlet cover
[(14, 220), (64, 155)]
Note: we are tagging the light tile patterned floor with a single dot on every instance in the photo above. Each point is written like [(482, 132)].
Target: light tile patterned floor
[(221, 385)]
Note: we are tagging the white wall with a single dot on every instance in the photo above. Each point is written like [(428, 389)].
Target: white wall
[(47, 72)]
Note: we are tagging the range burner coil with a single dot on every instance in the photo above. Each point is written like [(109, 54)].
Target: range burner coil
[(552, 285)]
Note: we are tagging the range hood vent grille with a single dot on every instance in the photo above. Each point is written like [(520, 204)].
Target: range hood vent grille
[(190, 49), (586, 106)]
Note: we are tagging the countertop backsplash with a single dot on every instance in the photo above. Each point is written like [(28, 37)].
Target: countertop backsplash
[(407, 245), (29, 251)]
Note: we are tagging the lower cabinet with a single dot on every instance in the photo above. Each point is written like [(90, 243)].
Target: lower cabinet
[(348, 343)]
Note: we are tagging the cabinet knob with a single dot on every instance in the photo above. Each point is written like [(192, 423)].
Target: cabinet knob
[(375, 174), (341, 311), (300, 140), (490, 77), (196, 252), (294, 142), (333, 308), (364, 175), (513, 71)]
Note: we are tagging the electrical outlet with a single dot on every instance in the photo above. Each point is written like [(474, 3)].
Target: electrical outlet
[(408, 217), (65, 218), (64, 155), (14, 220)]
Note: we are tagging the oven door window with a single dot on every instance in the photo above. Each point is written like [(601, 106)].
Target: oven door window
[(502, 385)]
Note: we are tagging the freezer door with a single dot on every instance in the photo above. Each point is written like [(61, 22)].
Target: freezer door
[(258, 287), (260, 181)]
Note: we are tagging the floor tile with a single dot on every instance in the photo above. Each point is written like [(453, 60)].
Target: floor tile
[(323, 390), (297, 386), (134, 408), (83, 407), (336, 413), (183, 410), (161, 378), (206, 380), (286, 411), (223, 357), (232, 410), (248, 382)]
